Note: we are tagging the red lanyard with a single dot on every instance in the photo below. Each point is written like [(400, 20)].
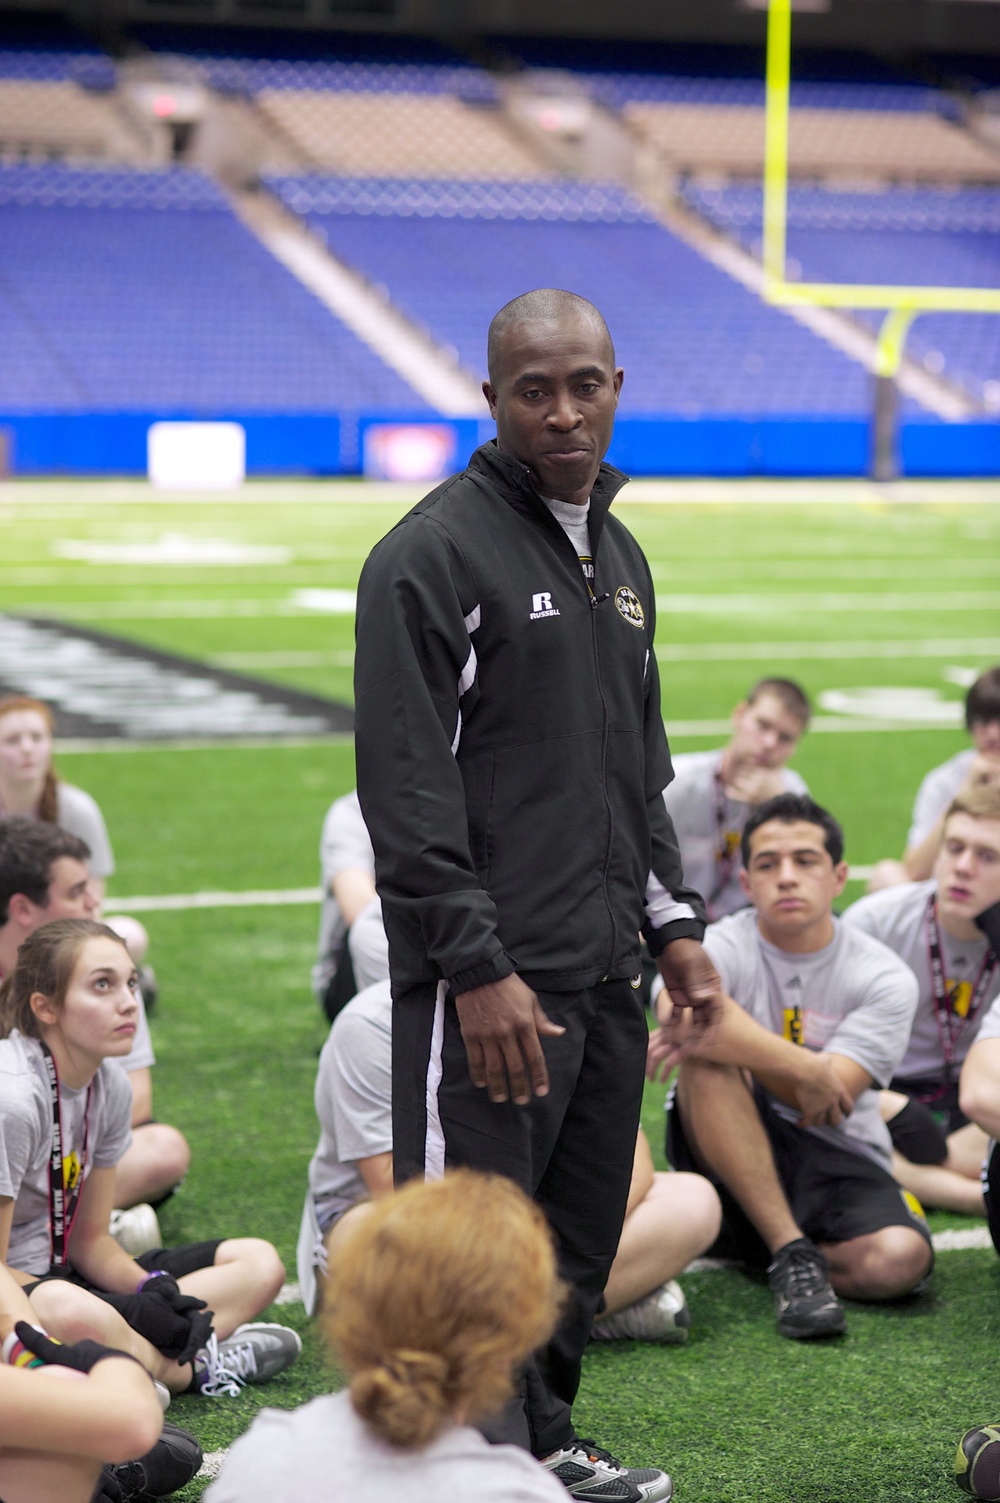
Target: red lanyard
[(724, 862), (950, 1024), (62, 1211)]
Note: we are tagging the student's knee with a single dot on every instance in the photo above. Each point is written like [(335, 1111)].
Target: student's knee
[(72, 1314), (259, 1261), (173, 1154), (885, 1264), (695, 1201), (700, 1081)]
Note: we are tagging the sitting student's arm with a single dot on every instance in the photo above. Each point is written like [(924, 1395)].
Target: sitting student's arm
[(802, 1078), (6, 1222), (377, 1174), (979, 1086), (91, 1248), (141, 1082), (353, 889)]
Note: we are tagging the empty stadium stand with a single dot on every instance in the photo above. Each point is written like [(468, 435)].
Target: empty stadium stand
[(692, 340), (129, 290), (917, 237)]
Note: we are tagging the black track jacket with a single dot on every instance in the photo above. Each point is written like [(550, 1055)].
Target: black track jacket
[(510, 749)]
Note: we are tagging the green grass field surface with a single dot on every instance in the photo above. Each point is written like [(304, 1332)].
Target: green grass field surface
[(845, 588)]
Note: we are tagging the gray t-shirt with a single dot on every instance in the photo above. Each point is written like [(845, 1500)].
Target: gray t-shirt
[(353, 1101), (898, 917), (989, 1028), (26, 1140), (78, 813), (693, 803), (369, 946), (344, 844), (854, 997), (324, 1451), (574, 521), (935, 794)]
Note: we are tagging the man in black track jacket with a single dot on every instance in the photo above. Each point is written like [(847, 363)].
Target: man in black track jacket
[(511, 760)]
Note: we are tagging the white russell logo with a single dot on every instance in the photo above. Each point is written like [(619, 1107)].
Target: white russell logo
[(541, 605)]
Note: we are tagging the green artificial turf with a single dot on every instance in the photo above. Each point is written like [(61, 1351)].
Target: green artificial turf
[(739, 1415)]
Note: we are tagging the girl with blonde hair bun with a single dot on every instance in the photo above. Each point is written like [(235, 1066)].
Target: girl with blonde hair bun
[(437, 1295)]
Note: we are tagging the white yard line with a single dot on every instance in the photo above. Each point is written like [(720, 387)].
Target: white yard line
[(212, 1463), (288, 1294)]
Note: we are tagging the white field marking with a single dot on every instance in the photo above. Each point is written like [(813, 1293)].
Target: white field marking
[(342, 603), (171, 548), (955, 1241), (212, 1463), (838, 724), (280, 897), (288, 1294), (238, 743), (722, 652), (266, 898)]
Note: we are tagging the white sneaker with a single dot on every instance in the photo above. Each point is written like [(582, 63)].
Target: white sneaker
[(589, 1473), (660, 1316), (136, 1230), (254, 1353), (162, 1393)]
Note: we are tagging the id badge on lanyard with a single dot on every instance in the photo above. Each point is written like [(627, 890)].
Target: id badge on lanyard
[(950, 1023), (62, 1207)]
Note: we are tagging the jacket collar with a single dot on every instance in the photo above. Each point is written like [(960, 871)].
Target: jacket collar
[(512, 478)]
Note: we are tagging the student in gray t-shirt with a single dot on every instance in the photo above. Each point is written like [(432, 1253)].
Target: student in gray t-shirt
[(816, 1016), (347, 862), (714, 792), (932, 926)]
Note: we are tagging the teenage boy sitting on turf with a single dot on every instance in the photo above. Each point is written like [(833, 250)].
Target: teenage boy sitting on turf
[(777, 1107), (44, 875), (979, 1086), (714, 792), (978, 765), (671, 1218), (932, 926)]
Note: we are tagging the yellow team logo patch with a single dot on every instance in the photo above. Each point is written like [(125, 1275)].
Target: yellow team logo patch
[(71, 1173), (793, 1025), (629, 605)]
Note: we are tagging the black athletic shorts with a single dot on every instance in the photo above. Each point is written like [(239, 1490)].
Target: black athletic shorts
[(941, 1099), (917, 1134), (833, 1193), (177, 1261)]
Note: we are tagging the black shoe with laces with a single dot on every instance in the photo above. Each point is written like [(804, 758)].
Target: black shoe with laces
[(594, 1475), (171, 1464), (804, 1301)]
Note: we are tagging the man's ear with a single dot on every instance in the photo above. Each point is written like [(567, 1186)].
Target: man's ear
[(841, 872), (44, 1009), (744, 881), (491, 398), (23, 912)]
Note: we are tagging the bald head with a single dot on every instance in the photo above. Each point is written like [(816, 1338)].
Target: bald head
[(545, 305)]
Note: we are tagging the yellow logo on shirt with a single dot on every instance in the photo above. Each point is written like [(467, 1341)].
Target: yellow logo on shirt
[(793, 1025), (71, 1172), (629, 605), (959, 997)]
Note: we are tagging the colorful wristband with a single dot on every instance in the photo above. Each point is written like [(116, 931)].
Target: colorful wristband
[(157, 1273), (16, 1354)]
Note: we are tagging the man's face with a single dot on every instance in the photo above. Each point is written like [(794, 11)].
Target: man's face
[(764, 733), (69, 893), (968, 867), (555, 400), (790, 878), (986, 737)]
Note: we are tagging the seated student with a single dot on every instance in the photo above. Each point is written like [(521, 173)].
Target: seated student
[(713, 792), (979, 764), (437, 1296), (979, 1085), (671, 1218), (30, 787), (932, 926), (778, 1107), (348, 868), (68, 1010), (60, 1422), (45, 875)]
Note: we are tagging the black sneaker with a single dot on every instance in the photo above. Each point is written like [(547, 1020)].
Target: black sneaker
[(804, 1302), (171, 1464), (592, 1474)]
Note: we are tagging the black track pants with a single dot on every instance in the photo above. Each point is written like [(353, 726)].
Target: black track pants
[(572, 1150)]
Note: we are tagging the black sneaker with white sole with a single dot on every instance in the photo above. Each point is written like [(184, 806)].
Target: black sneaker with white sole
[(595, 1476), (804, 1301), (170, 1465)]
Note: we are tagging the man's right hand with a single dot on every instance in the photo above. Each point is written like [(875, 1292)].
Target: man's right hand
[(821, 1096), (501, 1023)]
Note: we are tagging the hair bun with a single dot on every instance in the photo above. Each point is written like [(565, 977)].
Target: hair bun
[(405, 1398)]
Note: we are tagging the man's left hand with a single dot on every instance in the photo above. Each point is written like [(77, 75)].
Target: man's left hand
[(695, 989)]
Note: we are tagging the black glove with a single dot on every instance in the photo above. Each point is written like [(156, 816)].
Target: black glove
[(989, 922), (177, 1324), (83, 1355)]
